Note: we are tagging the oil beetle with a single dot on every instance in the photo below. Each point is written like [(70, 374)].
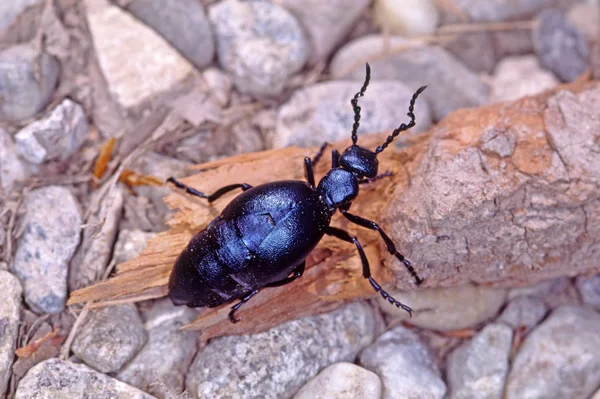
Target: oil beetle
[(262, 238)]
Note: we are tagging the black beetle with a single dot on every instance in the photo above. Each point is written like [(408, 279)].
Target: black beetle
[(262, 238)]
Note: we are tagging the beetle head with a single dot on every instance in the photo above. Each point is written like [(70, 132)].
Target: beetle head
[(360, 161)]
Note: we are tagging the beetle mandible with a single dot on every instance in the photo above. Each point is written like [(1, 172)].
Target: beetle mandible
[(263, 236)]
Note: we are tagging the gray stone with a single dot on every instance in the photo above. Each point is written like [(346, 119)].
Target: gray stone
[(182, 23), (408, 17), (404, 364), (475, 50), (276, 363), (446, 309), (559, 359), (110, 337), (523, 311), (342, 381), (586, 17), (477, 369), (559, 46), (498, 10), (23, 95), (519, 76), (164, 360), (10, 308), (12, 168), (10, 10), (323, 112), (19, 20), (51, 233), (326, 22), (589, 289), (130, 243), (259, 43), (57, 136), (451, 85), (58, 379)]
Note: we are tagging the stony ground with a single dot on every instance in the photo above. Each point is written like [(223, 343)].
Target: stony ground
[(185, 82)]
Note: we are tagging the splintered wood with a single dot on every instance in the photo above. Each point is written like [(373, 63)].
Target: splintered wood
[(333, 272)]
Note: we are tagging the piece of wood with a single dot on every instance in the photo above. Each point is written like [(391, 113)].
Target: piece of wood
[(333, 273)]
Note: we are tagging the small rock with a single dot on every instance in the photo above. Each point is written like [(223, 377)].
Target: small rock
[(342, 381), (57, 136), (475, 50), (523, 311), (512, 42), (409, 17), (93, 255), (496, 10), (166, 357), (323, 112), (23, 95), (59, 379), (296, 351), (110, 337), (560, 47), (451, 85), (10, 308), (130, 243), (404, 364), (554, 293), (589, 289), (326, 22), (586, 17), (219, 84), (446, 309), (259, 43), (182, 23), (51, 233), (559, 359), (517, 77), (478, 368), (137, 63), (12, 168), (10, 11)]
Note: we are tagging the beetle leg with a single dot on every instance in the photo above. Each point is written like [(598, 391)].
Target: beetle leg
[(379, 176), (388, 241), (345, 236), (212, 197), (298, 272), (335, 159), (235, 307), (310, 163)]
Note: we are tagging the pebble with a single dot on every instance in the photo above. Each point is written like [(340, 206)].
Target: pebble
[(512, 42), (51, 233), (10, 308), (59, 379), (445, 309), (137, 63), (110, 337), (586, 17), (164, 360), (519, 76), (589, 290), (220, 84), (22, 93), (523, 311), (560, 358), (494, 11), (92, 257), (555, 292), (326, 23), (409, 17), (475, 50), (11, 10), (259, 43), (404, 364), (12, 168), (296, 351), (478, 368), (183, 23), (451, 85), (560, 47), (342, 381), (57, 136), (130, 243), (323, 112)]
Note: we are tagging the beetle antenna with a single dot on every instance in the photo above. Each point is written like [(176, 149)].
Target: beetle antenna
[(403, 127), (355, 106)]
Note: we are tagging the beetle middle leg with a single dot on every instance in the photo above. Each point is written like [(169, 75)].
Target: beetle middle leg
[(388, 241), (310, 163), (212, 197), (298, 272), (345, 236)]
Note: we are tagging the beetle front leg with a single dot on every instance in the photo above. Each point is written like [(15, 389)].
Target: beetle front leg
[(310, 163), (212, 197), (388, 241), (345, 236)]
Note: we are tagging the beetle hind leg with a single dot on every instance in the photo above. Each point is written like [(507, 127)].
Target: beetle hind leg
[(212, 197)]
